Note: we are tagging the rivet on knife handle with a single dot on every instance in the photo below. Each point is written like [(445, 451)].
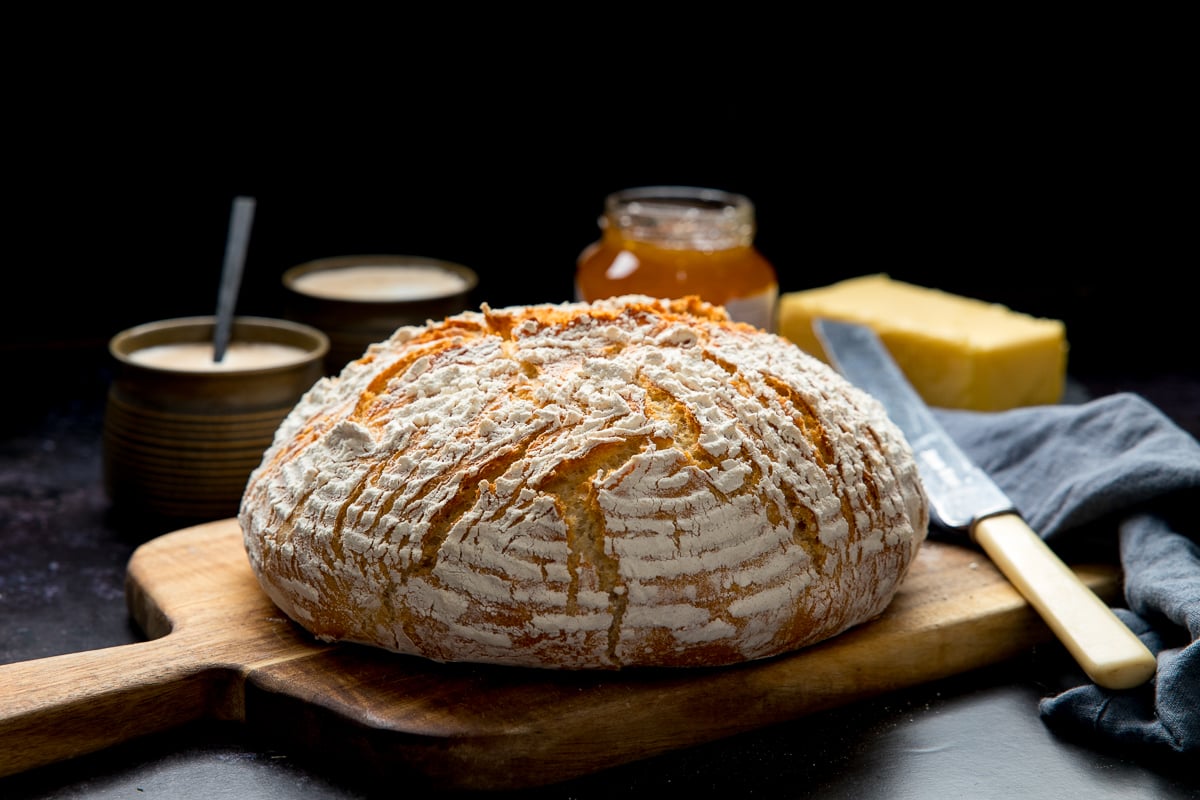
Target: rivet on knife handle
[(963, 497)]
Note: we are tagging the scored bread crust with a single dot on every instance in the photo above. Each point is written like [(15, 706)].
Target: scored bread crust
[(627, 483)]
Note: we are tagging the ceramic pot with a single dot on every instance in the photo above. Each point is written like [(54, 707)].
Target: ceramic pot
[(181, 435), (362, 299)]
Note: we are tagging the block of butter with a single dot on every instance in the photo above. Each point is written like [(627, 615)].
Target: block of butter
[(958, 352)]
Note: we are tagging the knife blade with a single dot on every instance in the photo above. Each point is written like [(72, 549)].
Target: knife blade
[(963, 497)]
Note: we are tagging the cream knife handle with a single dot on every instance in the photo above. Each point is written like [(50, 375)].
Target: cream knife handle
[(1105, 648)]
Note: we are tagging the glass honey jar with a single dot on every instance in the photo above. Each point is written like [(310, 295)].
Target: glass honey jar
[(672, 241)]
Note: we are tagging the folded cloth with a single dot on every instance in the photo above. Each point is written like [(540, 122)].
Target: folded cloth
[(1112, 473)]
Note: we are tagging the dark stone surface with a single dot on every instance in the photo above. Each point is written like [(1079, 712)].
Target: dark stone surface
[(62, 557)]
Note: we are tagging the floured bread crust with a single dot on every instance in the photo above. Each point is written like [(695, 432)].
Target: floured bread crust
[(632, 482)]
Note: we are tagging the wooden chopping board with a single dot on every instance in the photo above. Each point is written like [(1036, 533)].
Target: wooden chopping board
[(218, 648)]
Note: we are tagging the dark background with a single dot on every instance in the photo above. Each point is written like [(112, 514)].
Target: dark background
[(1057, 194)]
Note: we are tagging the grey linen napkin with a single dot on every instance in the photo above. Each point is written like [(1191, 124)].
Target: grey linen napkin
[(1113, 476)]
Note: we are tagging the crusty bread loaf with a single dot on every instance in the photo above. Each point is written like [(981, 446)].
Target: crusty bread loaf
[(632, 482)]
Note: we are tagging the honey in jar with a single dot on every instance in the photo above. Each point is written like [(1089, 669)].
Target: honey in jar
[(672, 241)]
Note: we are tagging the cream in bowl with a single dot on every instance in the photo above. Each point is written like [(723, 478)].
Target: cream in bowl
[(200, 356), (374, 283), (360, 300)]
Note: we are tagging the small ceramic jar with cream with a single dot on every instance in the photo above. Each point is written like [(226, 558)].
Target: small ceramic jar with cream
[(182, 431), (359, 300)]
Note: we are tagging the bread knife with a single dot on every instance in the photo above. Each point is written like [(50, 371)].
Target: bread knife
[(963, 497)]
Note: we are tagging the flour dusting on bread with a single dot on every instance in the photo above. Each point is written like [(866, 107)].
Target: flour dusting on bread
[(631, 482)]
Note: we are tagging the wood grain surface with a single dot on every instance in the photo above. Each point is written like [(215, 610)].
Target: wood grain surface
[(218, 648)]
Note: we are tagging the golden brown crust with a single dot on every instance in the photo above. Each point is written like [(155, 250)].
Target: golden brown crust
[(633, 482)]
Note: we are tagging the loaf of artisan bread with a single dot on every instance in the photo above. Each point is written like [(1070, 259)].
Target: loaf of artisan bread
[(627, 483)]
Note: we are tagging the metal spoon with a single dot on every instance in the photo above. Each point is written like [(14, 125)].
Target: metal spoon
[(240, 219)]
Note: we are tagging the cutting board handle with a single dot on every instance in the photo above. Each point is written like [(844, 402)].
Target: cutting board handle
[(69, 705)]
